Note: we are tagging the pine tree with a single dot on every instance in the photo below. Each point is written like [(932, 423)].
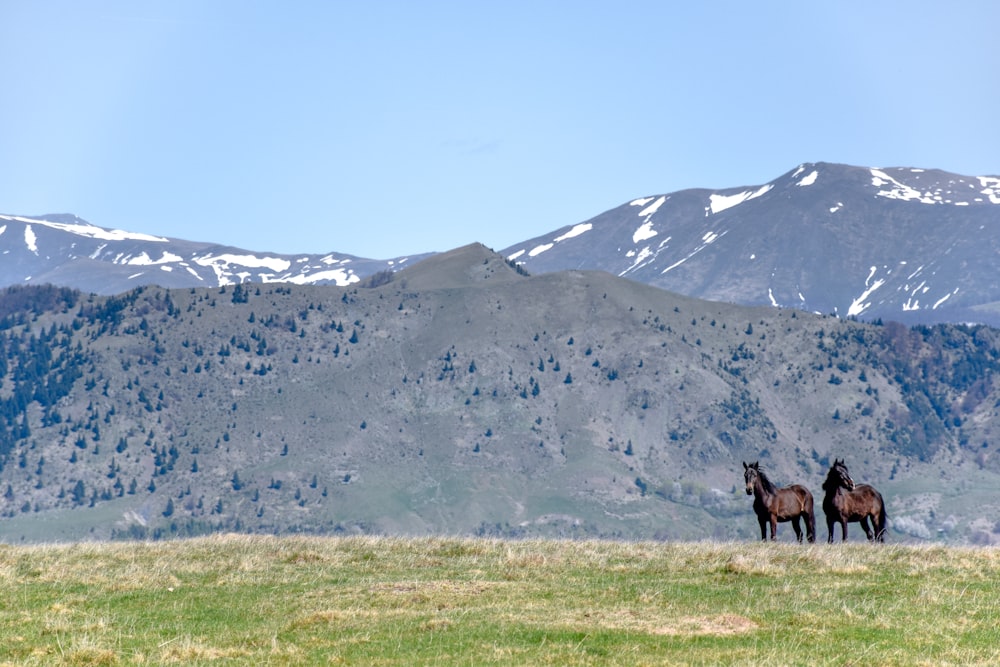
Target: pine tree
[(79, 493)]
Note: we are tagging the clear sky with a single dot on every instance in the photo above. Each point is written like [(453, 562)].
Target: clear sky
[(382, 129)]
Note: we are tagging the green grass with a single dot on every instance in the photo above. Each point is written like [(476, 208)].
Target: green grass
[(393, 601)]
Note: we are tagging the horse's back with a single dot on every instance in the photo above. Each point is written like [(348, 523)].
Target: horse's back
[(864, 501), (803, 493), (793, 500), (867, 491)]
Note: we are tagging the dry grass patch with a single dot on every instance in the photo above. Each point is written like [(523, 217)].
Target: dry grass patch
[(641, 621), (187, 651)]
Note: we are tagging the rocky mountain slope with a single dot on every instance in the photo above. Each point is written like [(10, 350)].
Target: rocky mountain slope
[(462, 396), (903, 244), (66, 251), (910, 245)]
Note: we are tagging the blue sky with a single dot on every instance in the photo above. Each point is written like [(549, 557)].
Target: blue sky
[(383, 129)]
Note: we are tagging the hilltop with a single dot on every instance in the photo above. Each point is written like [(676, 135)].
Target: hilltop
[(462, 396)]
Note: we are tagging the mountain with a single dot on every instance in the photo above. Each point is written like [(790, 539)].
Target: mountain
[(66, 251), (461, 396), (903, 244), (918, 246)]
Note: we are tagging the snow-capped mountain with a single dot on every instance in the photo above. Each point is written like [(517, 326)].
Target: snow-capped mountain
[(905, 244), (67, 251), (912, 245)]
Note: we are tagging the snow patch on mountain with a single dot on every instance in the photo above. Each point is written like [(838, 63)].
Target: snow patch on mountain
[(957, 191), (944, 298), (643, 232), (144, 259), (230, 268), (719, 203), (330, 259), (808, 180), (896, 189), (860, 304), (653, 208), (706, 240), (30, 239), (88, 230), (991, 188), (275, 264), (575, 231), (339, 276), (539, 249)]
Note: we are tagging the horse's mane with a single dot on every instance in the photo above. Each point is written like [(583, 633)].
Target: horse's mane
[(829, 482), (765, 482)]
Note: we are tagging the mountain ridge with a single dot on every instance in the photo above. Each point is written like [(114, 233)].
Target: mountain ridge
[(906, 244), (65, 250), (822, 237)]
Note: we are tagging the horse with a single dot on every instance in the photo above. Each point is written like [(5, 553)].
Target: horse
[(846, 501), (773, 504)]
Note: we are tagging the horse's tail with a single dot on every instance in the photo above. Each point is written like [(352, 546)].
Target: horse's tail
[(883, 520), (809, 509)]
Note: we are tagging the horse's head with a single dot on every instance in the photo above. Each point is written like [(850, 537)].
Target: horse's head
[(839, 476), (750, 473)]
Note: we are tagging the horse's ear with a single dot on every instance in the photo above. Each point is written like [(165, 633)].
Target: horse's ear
[(745, 466)]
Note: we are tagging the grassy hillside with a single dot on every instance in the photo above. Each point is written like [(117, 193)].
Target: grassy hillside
[(391, 601), (462, 397)]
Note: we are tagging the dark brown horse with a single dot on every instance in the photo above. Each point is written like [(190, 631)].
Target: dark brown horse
[(846, 501), (773, 504)]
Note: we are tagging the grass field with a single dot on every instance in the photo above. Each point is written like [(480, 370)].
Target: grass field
[(443, 601)]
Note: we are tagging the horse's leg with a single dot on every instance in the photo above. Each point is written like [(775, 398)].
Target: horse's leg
[(829, 529), (865, 527), (774, 527), (763, 528), (798, 530), (843, 529), (810, 527)]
